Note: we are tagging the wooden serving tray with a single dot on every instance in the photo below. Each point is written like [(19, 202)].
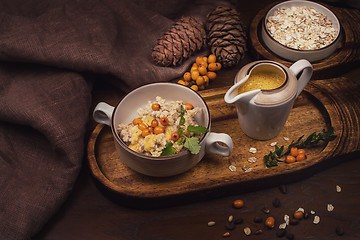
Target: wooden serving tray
[(346, 56), (334, 102)]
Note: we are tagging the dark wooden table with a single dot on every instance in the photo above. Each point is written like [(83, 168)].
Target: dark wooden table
[(90, 213)]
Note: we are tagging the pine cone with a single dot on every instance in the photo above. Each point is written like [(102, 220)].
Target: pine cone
[(226, 35), (182, 40)]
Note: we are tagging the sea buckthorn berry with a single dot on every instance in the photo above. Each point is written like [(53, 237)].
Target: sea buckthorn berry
[(145, 132), (174, 136), (182, 82), (203, 64), (202, 70), (300, 157), (270, 222), (218, 66), (201, 87), (187, 76), (154, 123), (151, 129), (195, 88), (188, 106), (298, 214), (199, 60), (136, 121), (290, 159), (211, 75), (211, 58), (186, 83), (238, 203), (207, 80), (195, 74), (164, 121), (156, 106), (301, 151), (205, 59), (294, 151), (159, 129), (212, 67), (200, 81), (142, 126), (194, 68)]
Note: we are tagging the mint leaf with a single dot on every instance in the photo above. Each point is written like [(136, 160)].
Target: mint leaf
[(182, 112), (197, 129), (180, 141), (192, 144), (168, 150)]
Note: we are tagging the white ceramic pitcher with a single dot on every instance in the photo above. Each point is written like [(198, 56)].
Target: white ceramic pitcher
[(263, 113)]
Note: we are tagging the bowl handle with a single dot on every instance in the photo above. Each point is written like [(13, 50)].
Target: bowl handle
[(213, 141), (103, 113)]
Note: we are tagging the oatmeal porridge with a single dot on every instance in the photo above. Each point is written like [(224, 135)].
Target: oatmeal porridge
[(162, 128)]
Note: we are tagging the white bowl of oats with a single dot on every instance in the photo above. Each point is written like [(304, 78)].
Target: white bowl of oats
[(297, 30), (162, 129)]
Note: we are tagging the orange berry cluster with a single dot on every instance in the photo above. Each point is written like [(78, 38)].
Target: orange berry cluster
[(157, 127), (296, 155), (201, 72)]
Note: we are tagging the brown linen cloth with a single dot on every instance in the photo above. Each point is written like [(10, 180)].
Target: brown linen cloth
[(49, 50)]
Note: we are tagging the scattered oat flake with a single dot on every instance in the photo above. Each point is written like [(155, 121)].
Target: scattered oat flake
[(282, 226), (286, 138), (338, 188), (301, 210), (252, 150), (330, 207), (247, 231), (312, 212), (286, 219), (252, 159), (246, 168), (316, 220), (273, 144), (232, 168)]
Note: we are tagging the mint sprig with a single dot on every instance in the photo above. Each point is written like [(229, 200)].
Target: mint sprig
[(193, 145), (190, 143), (197, 129), (168, 150), (273, 158)]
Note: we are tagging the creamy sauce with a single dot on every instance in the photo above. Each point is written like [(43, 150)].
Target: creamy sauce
[(265, 77)]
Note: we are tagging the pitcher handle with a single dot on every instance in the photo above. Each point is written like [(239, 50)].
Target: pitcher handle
[(213, 141), (306, 68), (103, 113)]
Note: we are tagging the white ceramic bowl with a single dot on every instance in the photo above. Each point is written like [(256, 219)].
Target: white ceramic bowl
[(126, 110), (295, 54)]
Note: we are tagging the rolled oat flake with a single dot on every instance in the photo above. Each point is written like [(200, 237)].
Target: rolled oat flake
[(247, 231), (316, 220), (232, 168), (330, 207)]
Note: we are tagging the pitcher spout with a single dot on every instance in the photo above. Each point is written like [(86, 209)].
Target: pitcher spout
[(232, 95)]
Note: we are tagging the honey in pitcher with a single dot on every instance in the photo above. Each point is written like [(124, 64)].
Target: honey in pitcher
[(265, 77)]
